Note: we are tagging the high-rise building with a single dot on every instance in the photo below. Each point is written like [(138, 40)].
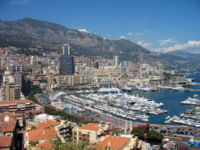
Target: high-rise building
[(96, 65), (1, 75), (116, 60), (12, 91), (67, 66)]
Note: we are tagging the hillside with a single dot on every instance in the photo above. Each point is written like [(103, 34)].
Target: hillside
[(29, 32), (45, 36)]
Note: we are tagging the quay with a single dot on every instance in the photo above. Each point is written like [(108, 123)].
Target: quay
[(192, 90)]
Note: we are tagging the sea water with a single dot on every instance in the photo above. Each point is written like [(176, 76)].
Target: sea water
[(171, 99)]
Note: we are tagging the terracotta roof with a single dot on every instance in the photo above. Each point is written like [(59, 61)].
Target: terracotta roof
[(6, 127), (2, 115), (47, 124), (5, 141), (112, 142), (41, 134), (10, 123), (14, 102), (46, 145), (91, 126)]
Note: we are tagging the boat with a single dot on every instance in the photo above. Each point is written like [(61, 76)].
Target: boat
[(126, 89)]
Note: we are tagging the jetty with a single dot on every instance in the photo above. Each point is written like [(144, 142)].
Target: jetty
[(192, 90)]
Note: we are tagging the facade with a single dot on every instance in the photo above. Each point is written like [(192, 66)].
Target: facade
[(116, 60), (44, 132), (18, 106), (67, 66), (12, 91), (64, 131), (91, 133)]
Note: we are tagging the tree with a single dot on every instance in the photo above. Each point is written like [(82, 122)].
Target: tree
[(30, 115), (71, 145), (154, 136), (138, 132)]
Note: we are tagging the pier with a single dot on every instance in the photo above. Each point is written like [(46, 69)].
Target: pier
[(192, 90)]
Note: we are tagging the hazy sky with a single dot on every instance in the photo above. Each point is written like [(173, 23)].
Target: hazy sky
[(160, 25)]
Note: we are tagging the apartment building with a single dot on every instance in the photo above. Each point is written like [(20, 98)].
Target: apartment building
[(8, 130), (90, 133), (12, 91), (43, 134), (18, 106)]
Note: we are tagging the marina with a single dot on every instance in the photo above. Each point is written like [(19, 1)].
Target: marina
[(128, 103)]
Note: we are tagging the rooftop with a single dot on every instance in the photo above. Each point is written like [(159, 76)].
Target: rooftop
[(112, 142), (7, 122), (41, 134), (14, 102), (46, 145), (47, 124), (91, 126), (5, 141)]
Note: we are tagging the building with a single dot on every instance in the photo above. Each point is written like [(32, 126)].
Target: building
[(117, 143), (6, 143), (40, 135), (18, 116), (116, 60), (91, 133), (12, 91), (18, 106), (67, 66), (1, 75), (64, 131), (8, 131)]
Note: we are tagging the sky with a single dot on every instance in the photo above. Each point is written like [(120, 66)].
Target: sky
[(158, 25)]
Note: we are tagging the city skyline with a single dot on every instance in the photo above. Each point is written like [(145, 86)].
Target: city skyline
[(155, 25)]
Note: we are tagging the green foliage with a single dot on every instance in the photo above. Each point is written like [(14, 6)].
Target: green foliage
[(43, 81), (71, 145), (30, 115), (154, 136), (33, 127), (52, 111), (57, 119), (31, 94), (33, 143), (138, 132)]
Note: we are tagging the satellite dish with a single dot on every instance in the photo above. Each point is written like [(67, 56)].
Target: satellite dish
[(6, 118)]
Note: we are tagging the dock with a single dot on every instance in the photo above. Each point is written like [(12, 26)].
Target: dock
[(192, 90)]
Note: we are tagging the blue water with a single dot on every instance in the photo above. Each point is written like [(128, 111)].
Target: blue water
[(171, 100)]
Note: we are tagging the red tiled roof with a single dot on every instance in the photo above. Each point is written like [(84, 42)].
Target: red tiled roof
[(47, 124), (2, 115), (46, 145), (112, 142), (5, 141), (91, 126), (41, 134), (14, 102), (10, 124), (6, 127)]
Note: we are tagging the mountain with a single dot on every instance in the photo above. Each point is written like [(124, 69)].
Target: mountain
[(28, 34), (185, 55)]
